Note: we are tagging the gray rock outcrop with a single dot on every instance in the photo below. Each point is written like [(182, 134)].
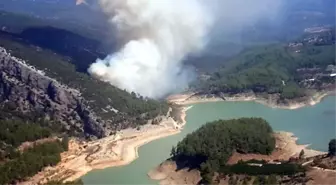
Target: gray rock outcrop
[(29, 90)]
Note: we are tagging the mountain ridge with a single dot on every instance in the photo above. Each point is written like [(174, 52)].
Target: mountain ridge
[(107, 110), (28, 88)]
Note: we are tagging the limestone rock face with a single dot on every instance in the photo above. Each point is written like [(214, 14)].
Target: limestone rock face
[(28, 90)]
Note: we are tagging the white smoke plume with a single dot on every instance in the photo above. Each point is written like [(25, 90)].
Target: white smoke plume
[(157, 35)]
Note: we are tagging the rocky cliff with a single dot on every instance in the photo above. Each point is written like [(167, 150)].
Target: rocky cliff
[(27, 90)]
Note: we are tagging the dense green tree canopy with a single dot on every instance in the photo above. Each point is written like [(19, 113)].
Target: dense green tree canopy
[(31, 161), (214, 143), (279, 68), (132, 109), (332, 147), (15, 164), (14, 132)]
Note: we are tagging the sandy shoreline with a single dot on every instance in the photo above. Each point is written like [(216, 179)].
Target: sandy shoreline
[(117, 150), (191, 98), (122, 148), (286, 147)]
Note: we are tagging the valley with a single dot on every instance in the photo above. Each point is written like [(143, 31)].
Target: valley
[(267, 88)]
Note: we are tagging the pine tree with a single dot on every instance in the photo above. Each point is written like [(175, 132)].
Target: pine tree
[(301, 155)]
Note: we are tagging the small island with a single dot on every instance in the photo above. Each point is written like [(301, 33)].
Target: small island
[(239, 151), (212, 145)]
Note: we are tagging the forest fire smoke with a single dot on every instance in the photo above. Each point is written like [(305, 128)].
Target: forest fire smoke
[(157, 36)]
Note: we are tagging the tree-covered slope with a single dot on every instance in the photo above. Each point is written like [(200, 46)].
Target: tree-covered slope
[(214, 143), (285, 69), (112, 108), (108, 102), (26, 148)]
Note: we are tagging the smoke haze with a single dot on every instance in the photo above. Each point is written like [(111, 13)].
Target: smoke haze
[(158, 34)]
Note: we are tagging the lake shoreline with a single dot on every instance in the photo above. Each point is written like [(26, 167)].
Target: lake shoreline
[(287, 147), (112, 151), (193, 98), (122, 149)]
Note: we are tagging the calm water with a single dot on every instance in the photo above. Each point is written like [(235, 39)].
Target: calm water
[(313, 125)]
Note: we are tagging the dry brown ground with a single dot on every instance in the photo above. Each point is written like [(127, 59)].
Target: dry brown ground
[(117, 150), (321, 177), (191, 98), (286, 148), (167, 174)]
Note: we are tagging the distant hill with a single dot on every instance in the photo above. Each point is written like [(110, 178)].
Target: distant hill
[(293, 18), (65, 56), (88, 21), (46, 93), (17, 22), (65, 10), (82, 46), (104, 107), (288, 70)]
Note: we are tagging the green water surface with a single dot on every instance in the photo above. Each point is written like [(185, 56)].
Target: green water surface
[(313, 125)]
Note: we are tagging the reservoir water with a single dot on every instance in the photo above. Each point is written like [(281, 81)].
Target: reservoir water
[(313, 125)]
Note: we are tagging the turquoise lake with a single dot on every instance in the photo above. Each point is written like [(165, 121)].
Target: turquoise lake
[(313, 125)]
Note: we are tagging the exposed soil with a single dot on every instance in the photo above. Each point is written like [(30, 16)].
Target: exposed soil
[(320, 176), (286, 148), (117, 150), (271, 101)]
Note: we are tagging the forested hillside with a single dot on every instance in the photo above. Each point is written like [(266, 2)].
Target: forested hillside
[(209, 148), (108, 102), (65, 57), (286, 69), (213, 143), (26, 148), (45, 94)]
